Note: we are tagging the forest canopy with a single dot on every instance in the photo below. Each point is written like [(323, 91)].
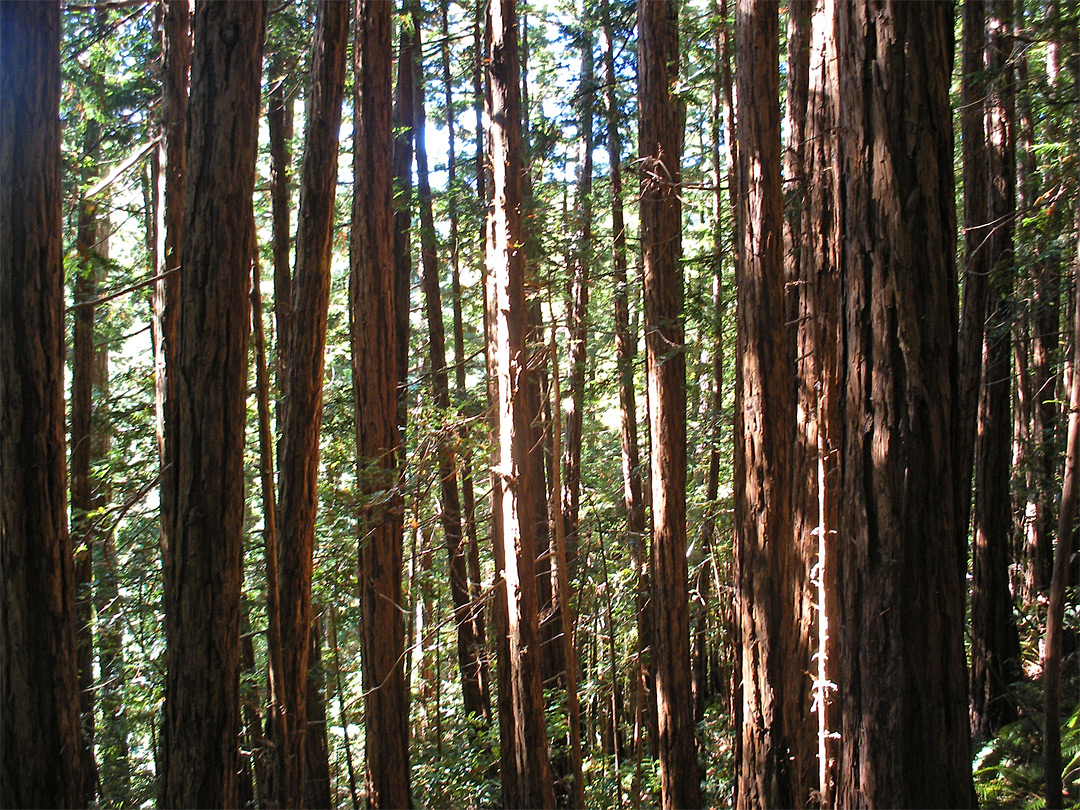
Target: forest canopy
[(583, 403)]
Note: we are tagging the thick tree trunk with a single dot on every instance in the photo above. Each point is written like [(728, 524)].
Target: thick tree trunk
[(896, 560), (375, 380), (660, 140), (41, 740), (305, 345), (775, 764), (203, 634), (526, 773)]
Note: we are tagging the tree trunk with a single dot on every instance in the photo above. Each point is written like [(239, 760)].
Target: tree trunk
[(203, 634), (375, 380), (88, 275), (526, 776), (1051, 658), (316, 747), (305, 345), (468, 649), (660, 145), (896, 560), (775, 764), (279, 120), (404, 115), (40, 735)]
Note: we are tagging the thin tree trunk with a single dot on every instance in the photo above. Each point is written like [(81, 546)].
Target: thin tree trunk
[(375, 379), (279, 120), (1062, 552), (526, 776), (404, 117), (626, 350), (270, 787), (316, 744), (560, 581), (468, 649), (304, 349), (41, 741), (660, 146), (353, 794), (203, 634)]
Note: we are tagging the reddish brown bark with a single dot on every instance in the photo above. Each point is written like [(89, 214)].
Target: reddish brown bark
[(305, 345), (526, 773), (202, 633), (660, 140), (372, 307), (41, 742), (775, 763), (896, 560)]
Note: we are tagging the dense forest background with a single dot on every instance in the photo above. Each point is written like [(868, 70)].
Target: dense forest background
[(570, 403)]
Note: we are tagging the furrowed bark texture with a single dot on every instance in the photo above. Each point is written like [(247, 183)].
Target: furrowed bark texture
[(660, 140), (526, 772), (896, 561), (774, 754), (202, 570), (303, 381), (41, 742), (375, 380)]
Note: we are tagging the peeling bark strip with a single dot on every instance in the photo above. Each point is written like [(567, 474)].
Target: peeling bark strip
[(775, 750), (896, 561), (202, 633), (40, 737), (526, 771), (660, 141), (375, 379)]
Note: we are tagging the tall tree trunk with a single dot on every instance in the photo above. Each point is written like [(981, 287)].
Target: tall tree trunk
[(203, 634), (526, 776), (468, 497), (316, 745), (577, 316), (1051, 658), (450, 505), (895, 562), (775, 765), (995, 645), (169, 195), (404, 115), (87, 278), (305, 344), (41, 739), (660, 141), (372, 309), (279, 120)]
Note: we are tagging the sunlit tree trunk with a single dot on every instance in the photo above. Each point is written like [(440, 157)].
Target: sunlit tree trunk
[(526, 773), (660, 140), (203, 634), (896, 561), (305, 344), (375, 381), (41, 741), (450, 505)]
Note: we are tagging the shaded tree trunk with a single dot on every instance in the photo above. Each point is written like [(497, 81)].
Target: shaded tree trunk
[(279, 120), (895, 563), (372, 309), (404, 115), (316, 746), (203, 634), (660, 140), (41, 739), (526, 772), (774, 750)]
